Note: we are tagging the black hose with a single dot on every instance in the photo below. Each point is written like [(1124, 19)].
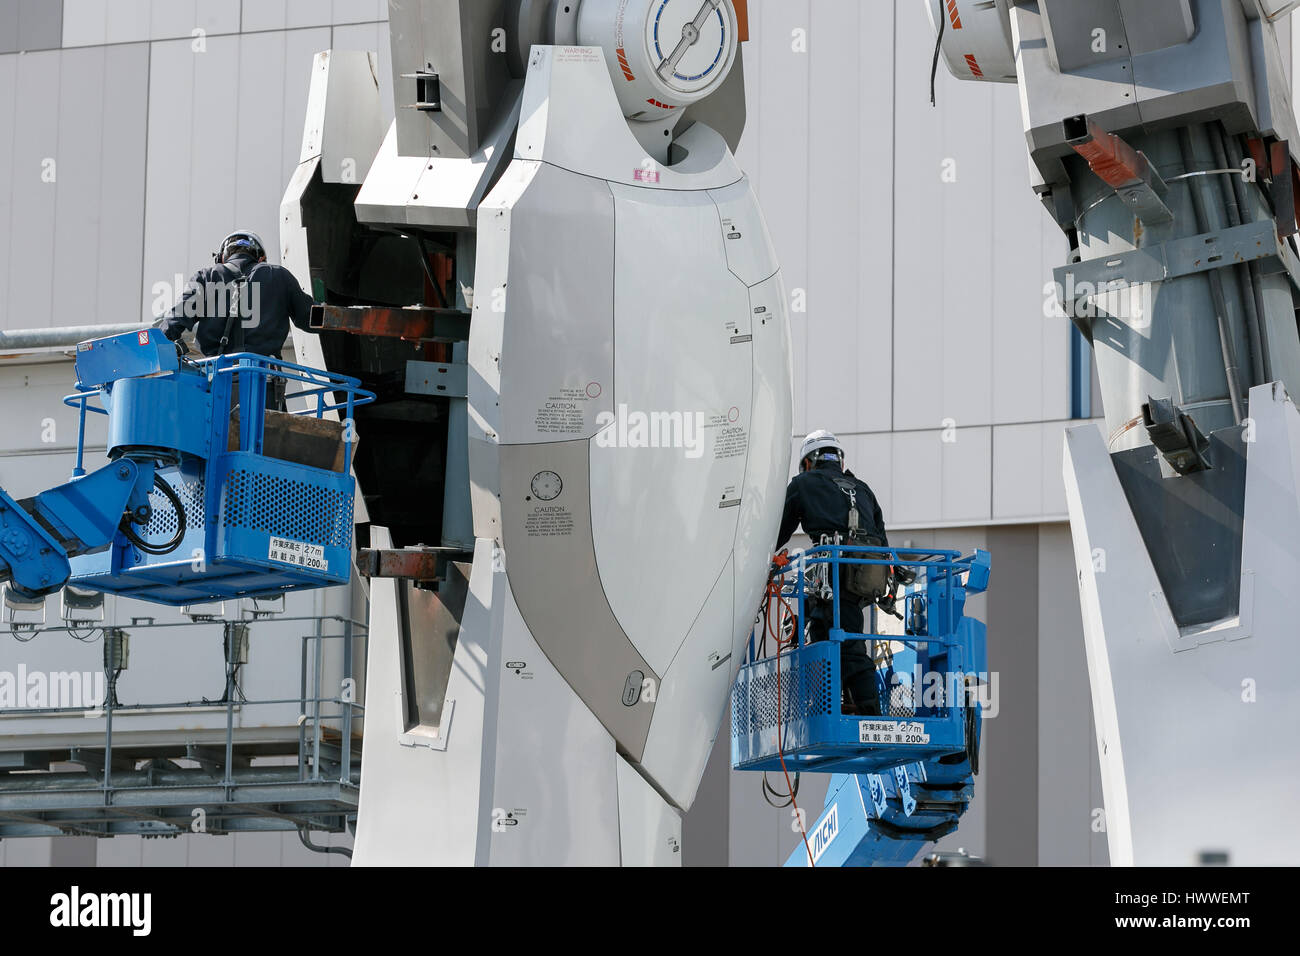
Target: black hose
[(340, 850), (770, 792), (972, 737), (938, 48), (174, 542)]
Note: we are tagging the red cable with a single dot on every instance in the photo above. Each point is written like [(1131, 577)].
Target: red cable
[(774, 587)]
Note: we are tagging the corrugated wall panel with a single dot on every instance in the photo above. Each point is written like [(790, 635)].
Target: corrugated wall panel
[(833, 365), (1030, 374), (780, 127), (215, 131), (920, 268), (30, 25), (214, 16), (222, 162), (46, 424), (100, 194), (1067, 745), (34, 148), (9, 38), (122, 199), (8, 184), (85, 22), (128, 21), (261, 165), (173, 130), (359, 11), (877, 211)]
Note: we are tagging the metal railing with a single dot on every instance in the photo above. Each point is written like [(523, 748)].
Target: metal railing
[(788, 703), (816, 573), (249, 375), (318, 791)]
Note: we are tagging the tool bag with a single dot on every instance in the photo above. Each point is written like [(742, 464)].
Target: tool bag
[(862, 582)]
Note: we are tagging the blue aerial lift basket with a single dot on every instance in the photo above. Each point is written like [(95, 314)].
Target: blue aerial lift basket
[(244, 502), (798, 691), (904, 777)]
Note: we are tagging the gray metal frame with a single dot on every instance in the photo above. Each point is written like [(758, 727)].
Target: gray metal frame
[(147, 791)]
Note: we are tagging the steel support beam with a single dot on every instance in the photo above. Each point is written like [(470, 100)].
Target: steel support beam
[(412, 324), (412, 564)]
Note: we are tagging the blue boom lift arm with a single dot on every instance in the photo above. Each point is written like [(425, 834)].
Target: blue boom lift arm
[(39, 535)]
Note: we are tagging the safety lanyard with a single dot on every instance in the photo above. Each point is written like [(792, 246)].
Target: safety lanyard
[(848, 489), (233, 307)]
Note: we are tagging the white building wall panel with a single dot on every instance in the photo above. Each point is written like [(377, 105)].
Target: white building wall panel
[(100, 188), (34, 419), (779, 129), (1068, 799), (33, 144), (8, 112), (85, 22)]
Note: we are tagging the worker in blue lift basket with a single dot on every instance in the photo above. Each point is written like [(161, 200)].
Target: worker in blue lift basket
[(242, 304), (829, 501)]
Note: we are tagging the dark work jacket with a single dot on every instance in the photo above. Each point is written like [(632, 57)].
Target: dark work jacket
[(814, 500), (271, 300)]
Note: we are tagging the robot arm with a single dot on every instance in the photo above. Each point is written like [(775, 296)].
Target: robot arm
[(1162, 141)]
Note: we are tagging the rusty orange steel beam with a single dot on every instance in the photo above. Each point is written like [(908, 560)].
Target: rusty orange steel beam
[(411, 324)]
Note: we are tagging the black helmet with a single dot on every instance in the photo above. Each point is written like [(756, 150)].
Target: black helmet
[(241, 242)]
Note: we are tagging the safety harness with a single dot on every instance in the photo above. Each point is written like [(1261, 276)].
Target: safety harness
[(233, 306), (863, 582)]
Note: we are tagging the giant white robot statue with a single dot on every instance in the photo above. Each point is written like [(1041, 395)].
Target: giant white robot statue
[(1162, 140), (560, 284)]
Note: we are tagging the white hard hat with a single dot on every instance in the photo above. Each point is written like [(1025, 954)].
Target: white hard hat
[(818, 440), (242, 239)]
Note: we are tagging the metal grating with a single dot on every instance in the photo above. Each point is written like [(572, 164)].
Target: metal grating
[(805, 692), (288, 508), (902, 700), (162, 523)]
